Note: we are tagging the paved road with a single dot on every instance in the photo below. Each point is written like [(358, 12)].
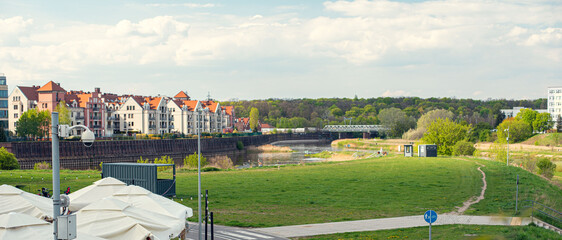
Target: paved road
[(387, 223), (230, 233)]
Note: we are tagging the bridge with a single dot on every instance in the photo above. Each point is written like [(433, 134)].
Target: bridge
[(354, 128)]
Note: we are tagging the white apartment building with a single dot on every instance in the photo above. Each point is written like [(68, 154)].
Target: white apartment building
[(21, 99), (555, 102)]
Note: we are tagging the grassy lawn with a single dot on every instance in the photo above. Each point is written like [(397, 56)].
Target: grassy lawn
[(360, 189), (500, 195), (450, 232), (336, 191)]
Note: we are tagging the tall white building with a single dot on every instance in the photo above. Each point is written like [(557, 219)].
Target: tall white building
[(555, 102)]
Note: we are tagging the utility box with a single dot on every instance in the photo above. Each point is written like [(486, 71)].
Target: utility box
[(66, 227), (408, 150), (143, 175), (427, 150)]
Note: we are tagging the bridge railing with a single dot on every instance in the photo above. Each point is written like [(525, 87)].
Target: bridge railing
[(354, 128)]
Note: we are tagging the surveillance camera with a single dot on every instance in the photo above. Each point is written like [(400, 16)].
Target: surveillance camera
[(88, 138)]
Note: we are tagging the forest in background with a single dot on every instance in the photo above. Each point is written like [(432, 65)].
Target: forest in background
[(295, 113)]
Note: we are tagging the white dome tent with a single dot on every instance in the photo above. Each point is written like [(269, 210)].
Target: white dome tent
[(13, 199), (16, 226), (114, 219), (100, 189), (142, 198)]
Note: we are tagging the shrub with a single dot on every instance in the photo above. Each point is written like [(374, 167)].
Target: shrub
[(222, 162), (141, 160), (42, 166), (463, 148), (164, 160), (498, 152), (240, 145), (191, 161), (7, 160), (530, 164), (546, 167)]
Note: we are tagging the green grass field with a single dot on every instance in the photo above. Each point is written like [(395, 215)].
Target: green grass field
[(468, 232), (336, 191)]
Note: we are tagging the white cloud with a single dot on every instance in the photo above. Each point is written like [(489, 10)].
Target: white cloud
[(187, 5), (396, 93)]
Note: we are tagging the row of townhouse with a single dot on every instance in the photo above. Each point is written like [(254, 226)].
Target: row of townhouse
[(107, 114)]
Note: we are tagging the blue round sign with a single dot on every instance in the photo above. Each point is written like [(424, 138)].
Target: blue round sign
[(430, 216)]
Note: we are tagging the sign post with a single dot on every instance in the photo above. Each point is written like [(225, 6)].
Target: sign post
[(430, 217)]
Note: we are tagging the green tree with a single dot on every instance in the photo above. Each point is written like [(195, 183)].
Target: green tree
[(396, 121), (463, 147), (542, 122), (33, 123), (519, 130), (64, 113), (445, 134), (546, 167), (7, 160), (254, 119), (527, 115), (191, 161), (428, 118)]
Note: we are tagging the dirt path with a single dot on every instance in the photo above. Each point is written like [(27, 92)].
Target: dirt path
[(473, 199)]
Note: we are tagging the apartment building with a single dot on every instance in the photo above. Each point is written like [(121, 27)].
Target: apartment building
[(20, 100), (3, 103), (107, 114), (555, 102)]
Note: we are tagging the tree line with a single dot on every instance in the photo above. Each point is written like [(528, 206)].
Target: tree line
[(295, 113)]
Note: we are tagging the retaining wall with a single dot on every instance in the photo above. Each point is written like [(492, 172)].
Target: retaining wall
[(74, 155)]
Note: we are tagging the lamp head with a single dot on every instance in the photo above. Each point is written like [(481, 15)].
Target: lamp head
[(88, 138)]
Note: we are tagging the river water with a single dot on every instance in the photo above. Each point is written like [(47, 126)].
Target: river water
[(300, 149)]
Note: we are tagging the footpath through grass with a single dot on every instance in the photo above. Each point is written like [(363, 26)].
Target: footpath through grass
[(447, 232)]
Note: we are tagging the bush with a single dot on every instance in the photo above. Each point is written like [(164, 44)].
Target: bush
[(164, 160), (222, 162), (42, 166), (240, 145), (463, 148), (546, 167), (530, 164), (7, 160), (498, 152), (191, 161)]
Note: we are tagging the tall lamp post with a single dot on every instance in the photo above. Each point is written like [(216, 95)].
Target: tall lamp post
[(199, 126), (507, 145), (87, 139)]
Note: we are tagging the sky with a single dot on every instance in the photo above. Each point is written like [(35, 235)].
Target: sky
[(246, 50)]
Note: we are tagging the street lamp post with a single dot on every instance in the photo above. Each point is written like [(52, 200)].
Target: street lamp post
[(507, 145), (63, 131), (199, 171)]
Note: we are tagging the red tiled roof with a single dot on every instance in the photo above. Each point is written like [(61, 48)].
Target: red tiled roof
[(190, 104), (69, 98), (212, 105), (30, 92), (50, 87), (181, 94), (153, 102), (83, 99), (228, 110), (265, 125)]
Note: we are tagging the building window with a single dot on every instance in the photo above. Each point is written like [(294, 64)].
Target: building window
[(15, 107), (3, 103), (15, 115), (3, 93)]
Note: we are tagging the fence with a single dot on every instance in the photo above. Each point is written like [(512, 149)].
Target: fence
[(543, 212)]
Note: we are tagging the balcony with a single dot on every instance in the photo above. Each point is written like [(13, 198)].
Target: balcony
[(113, 118), (96, 117), (151, 126), (170, 126), (151, 118), (96, 126), (79, 117), (95, 109)]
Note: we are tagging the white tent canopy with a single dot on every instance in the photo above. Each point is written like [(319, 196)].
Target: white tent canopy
[(100, 189), (16, 226), (114, 219), (13, 199), (142, 198)]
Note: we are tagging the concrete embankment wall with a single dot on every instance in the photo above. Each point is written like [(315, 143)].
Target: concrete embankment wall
[(74, 155)]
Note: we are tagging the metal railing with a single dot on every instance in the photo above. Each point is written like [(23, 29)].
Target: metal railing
[(543, 212)]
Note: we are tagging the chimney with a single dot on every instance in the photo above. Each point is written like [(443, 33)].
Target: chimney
[(97, 90)]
